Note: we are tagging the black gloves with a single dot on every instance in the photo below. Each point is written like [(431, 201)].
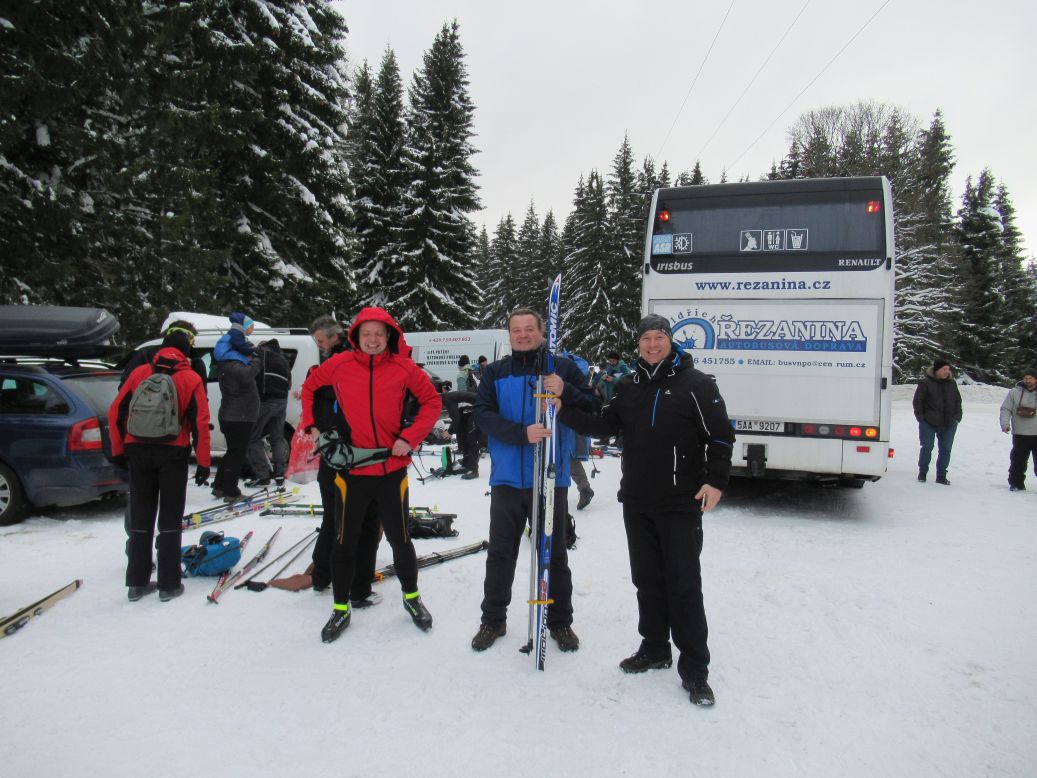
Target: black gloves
[(201, 475)]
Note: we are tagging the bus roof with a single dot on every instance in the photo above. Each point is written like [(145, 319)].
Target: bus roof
[(847, 184)]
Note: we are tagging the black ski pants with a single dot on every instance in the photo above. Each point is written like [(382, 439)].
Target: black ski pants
[(389, 495), (158, 474), (664, 550), (1023, 447), (509, 511), (237, 434), (366, 547)]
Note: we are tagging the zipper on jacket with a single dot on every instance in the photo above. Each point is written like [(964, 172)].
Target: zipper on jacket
[(674, 465), (655, 405), (370, 407)]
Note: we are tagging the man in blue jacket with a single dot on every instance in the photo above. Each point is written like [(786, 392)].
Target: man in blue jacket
[(506, 411)]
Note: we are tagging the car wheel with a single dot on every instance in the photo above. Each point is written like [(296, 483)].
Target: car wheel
[(12, 500)]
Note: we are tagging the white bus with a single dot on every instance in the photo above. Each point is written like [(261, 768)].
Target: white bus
[(783, 290)]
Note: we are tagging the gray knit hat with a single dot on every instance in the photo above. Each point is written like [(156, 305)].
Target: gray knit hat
[(654, 321)]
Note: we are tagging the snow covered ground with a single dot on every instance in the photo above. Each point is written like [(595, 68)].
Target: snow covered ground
[(890, 630)]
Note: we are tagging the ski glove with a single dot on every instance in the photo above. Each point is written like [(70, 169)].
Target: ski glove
[(201, 475)]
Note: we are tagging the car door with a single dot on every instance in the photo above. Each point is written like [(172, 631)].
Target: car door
[(34, 421)]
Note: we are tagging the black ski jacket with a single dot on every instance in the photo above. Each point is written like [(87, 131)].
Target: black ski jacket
[(275, 376), (937, 401), (676, 434)]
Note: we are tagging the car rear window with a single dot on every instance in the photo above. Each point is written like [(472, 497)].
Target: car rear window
[(98, 389)]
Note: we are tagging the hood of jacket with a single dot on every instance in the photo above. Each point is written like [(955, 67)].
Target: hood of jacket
[(397, 343), (678, 360), (171, 358)]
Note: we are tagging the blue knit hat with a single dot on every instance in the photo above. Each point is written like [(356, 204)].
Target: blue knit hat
[(239, 318)]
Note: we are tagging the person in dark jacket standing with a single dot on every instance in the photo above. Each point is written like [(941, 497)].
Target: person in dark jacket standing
[(330, 339), (239, 409), (273, 382), (937, 404), (506, 410), (371, 385), (158, 470), (676, 462)]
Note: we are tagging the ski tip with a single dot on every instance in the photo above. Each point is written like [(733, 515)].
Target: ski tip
[(78, 582)]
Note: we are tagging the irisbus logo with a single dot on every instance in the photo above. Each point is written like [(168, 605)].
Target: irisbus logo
[(700, 330)]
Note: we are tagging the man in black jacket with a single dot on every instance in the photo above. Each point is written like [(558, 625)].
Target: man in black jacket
[(676, 461), (937, 405), (273, 382)]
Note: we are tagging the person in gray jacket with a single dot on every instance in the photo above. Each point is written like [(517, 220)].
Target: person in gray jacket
[(274, 382), (239, 409), (1019, 416)]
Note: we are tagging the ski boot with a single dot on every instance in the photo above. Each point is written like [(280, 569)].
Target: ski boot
[(336, 624), (418, 612)]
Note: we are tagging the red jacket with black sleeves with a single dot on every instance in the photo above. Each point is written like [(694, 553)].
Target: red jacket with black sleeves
[(371, 390), (190, 394)]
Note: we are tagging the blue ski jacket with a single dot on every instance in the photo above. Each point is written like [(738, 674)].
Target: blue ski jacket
[(505, 405)]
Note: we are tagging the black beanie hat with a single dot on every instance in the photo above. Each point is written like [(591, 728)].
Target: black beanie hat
[(463, 360), (178, 340), (654, 321), (940, 363)]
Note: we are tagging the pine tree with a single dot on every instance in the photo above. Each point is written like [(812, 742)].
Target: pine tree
[(434, 286), (63, 132), (982, 343), (379, 177), (1020, 314), (550, 247), (591, 326), (927, 287), (529, 266), (504, 290), (626, 233)]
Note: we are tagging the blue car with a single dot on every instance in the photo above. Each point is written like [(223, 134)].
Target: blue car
[(54, 434)]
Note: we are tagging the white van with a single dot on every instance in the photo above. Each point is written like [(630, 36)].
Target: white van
[(439, 351), (298, 349)]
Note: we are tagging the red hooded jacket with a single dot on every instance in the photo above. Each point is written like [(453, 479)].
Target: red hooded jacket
[(371, 390), (190, 394)]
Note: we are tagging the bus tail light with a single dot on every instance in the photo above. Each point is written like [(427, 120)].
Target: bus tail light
[(863, 449), (874, 206), (842, 431), (663, 215), (856, 432)]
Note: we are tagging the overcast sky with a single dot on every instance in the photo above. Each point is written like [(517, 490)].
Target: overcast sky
[(557, 84)]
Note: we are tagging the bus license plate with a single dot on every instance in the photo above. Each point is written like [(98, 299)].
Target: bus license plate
[(742, 425)]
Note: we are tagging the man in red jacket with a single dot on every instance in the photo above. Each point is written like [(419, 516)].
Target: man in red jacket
[(158, 469), (371, 385)]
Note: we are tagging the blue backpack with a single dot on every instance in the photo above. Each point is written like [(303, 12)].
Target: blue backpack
[(214, 554)]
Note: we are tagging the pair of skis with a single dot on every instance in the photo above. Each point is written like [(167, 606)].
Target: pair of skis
[(19, 619), (228, 579), (246, 505), (545, 456)]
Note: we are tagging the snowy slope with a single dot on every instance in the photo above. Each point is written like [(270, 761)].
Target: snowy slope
[(884, 631)]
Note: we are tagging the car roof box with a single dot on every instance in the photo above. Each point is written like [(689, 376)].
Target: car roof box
[(48, 329)]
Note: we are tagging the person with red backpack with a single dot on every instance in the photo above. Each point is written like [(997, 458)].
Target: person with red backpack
[(371, 386), (159, 411)]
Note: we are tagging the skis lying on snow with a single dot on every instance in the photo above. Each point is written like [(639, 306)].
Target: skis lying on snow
[(19, 619), (545, 454), (299, 548), (427, 560), (226, 584), (242, 544), (244, 506)]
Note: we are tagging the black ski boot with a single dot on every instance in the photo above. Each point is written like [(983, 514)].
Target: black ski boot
[(372, 598), (165, 595), (137, 592), (699, 692), (418, 612), (336, 625), (641, 661), (565, 638), (487, 635)]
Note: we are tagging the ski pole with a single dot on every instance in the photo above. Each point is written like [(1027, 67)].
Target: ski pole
[(248, 582), (214, 597)]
